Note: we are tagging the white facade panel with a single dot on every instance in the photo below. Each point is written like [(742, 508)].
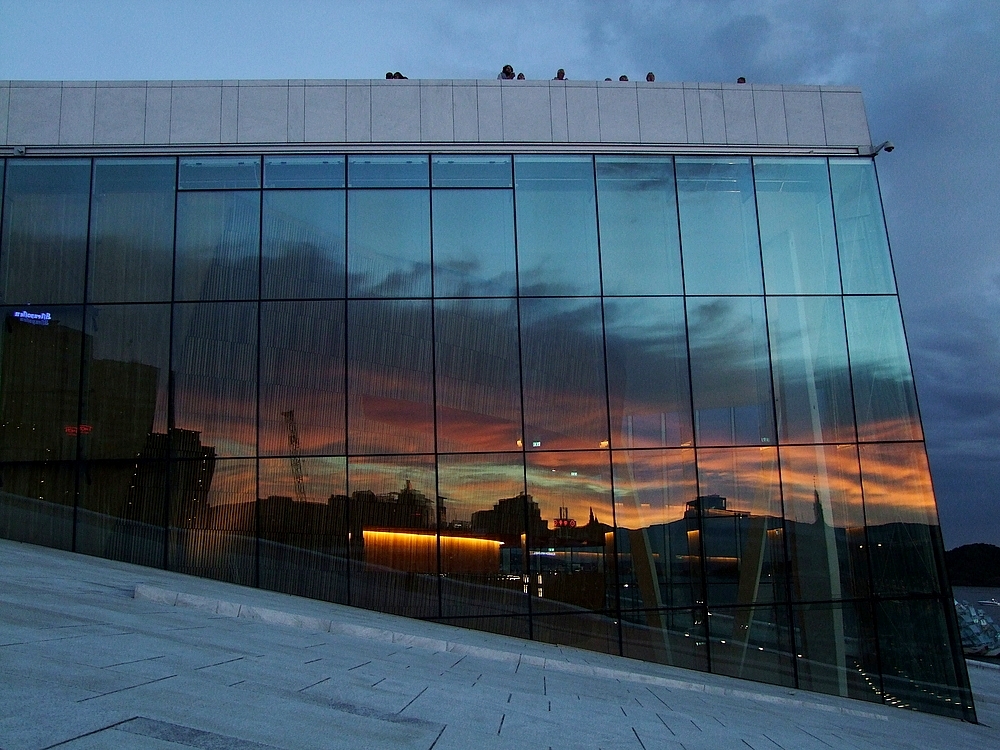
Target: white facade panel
[(558, 112), (464, 100), (76, 115), (120, 115), (582, 118), (196, 113), (395, 111), (156, 128), (692, 113), (325, 113), (844, 117), (263, 114), (741, 126), (490, 111), (769, 115), (618, 113), (526, 112), (662, 118), (4, 109), (713, 115), (437, 112), (359, 111), (33, 117), (804, 118), (296, 111)]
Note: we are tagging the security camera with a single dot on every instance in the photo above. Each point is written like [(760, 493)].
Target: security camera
[(886, 146)]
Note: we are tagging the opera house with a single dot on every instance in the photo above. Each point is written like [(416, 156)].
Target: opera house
[(615, 365)]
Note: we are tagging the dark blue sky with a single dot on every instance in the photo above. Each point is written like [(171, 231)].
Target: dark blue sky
[(928, 68)]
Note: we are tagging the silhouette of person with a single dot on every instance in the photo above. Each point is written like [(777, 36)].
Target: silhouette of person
[(507, 73)]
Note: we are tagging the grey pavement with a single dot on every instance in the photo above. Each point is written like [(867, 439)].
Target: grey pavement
[(100, 654)]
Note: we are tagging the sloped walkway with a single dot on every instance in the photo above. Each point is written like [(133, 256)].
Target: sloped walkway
[(99, 654)]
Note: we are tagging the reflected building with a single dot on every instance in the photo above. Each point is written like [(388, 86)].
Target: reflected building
[(637, 383)]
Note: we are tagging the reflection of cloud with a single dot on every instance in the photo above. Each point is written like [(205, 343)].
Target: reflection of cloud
[(897, 484), (577, 480)]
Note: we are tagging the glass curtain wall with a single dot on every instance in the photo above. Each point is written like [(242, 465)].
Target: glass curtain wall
[(652, 406)]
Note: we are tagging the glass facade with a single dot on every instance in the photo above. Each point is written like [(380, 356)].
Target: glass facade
[(652, 406)]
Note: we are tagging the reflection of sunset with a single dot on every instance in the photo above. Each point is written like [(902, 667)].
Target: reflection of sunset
[(652, 487), (897, 484), (747, 477), (577, 480), (829, 470)]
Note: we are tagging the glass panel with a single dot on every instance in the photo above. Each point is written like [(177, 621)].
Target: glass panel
[(565, 402), (670, 636), (835, 650), (812, 382), (478, 382), (212, 527), (304, 244), (482, 522), (126, 367), (593, 631), (884, 398), (864, 247), (796, 226), (718, 226), (659, 558), (922, 664), (44, 241), (647, 372), (825, 523), (390, 377), (389, 243), (572, 563), (40, 355), (752, 643), (303, 527), (474, 243), (741, 525), (556, 225), (396, 170), (470, 171), (907, 552), (730, 375), (36, 502), (218, 246), (303, 171), (640, 251), (302, 374), (132, 230), (121, 513), (215, 376), (394, 547), (219, 173)]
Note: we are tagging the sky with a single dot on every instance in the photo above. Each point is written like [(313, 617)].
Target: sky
[(928, 70)]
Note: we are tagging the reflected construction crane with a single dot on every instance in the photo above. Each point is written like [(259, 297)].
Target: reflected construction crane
[(293, 455)]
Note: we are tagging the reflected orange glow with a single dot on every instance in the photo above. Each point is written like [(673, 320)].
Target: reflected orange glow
[(746, 477), (890, 429), (831, 471), (897, 484), (652, 487), (413, 552), (576, 480)]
